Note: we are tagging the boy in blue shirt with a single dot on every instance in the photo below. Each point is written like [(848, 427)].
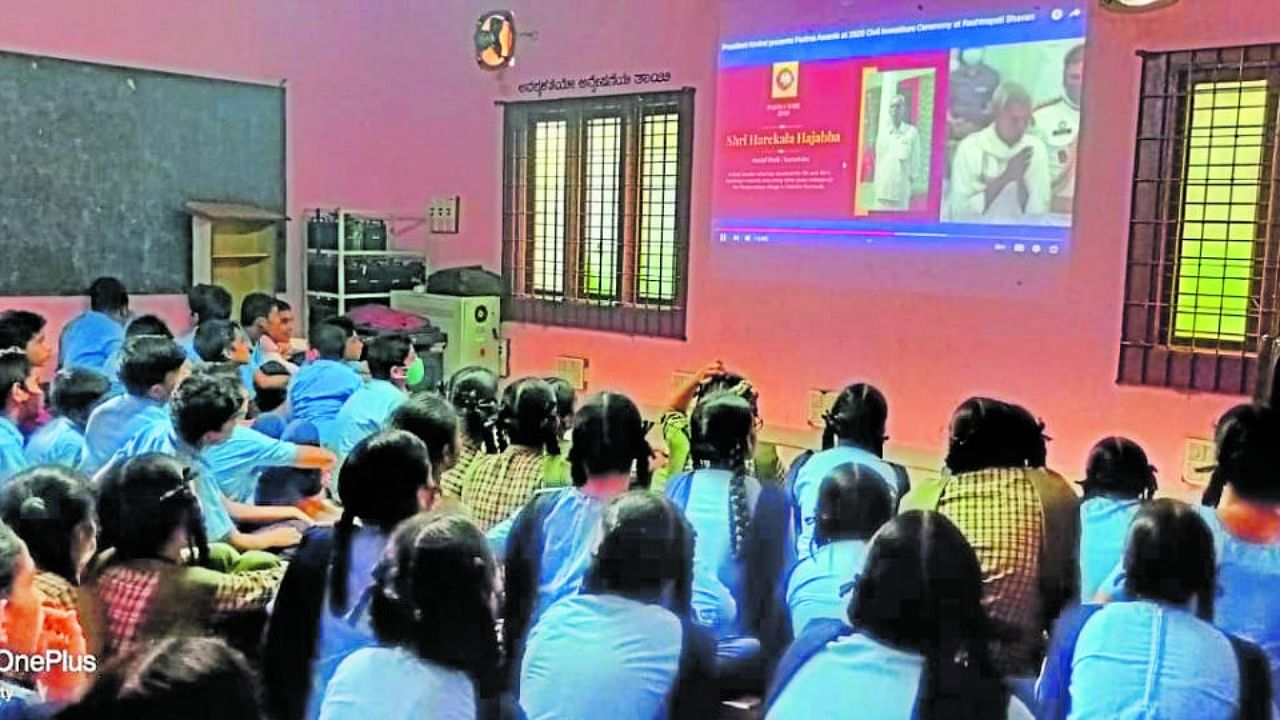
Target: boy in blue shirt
[(264, 320), (222, 341), (151, 368), (319, 389), (76, 392), (139, 326), (392, 365), (26, 330), (92, 338), (23, 403), (207, 302)]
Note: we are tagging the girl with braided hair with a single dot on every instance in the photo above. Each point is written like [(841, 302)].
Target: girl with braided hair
[(1118, 480), (473, 392), (743, 544)]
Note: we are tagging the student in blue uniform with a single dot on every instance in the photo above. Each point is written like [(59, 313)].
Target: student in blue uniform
[(549, 543), (151, 368), (1118, 479), (432, 420), (218, 341), (743, 544), (853, 502), (431, 609), (393, 365), (1156, 655), (138, 327), (206, 302), (623, 639), (74, 395), (854, 434), (94, 336), (318, 619), (318, 390), (205, 412), (261, 317), (917, 643), (26, 330), (23, 402)]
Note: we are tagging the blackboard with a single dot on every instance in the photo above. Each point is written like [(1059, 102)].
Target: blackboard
[(98, 161)]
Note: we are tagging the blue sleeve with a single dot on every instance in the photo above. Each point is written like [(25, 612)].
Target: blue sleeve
[(498, 535), (12, 461), (218, 524), (1053, 691)]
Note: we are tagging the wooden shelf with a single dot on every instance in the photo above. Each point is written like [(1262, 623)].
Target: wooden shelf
[(242, 256), (357, 253), (349, 296)]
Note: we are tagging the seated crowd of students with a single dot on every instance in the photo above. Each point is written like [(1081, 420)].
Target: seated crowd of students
[(218, 526)]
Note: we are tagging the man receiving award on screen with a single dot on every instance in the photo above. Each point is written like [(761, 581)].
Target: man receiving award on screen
[(1058, 125), (1000, 175), (897, 158)]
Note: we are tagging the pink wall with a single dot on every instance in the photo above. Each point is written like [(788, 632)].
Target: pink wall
[(386, 109)]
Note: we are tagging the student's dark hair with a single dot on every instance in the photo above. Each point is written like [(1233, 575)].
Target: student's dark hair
[(175, 677), (146, 360), (214, 338), (209, 302), (19, 327), (147, 325), (386, 352), (282, 305), (527, 416), (329, 341), (204, 403), (857, 416), (342, 321), (432, 420), (11, 548), (432, 595), (45, 505), (733, 384), (853, 503), (378, 485), (987, 433), (1248, 448), (566, 397), (473, 391), (921, 590), (645, 551), (721, 429), (1118, 468), (108, 295), (255, 306), (609, 437), (142, 500), (268, 399), (15, 368), (76, 392), (1170, 557)]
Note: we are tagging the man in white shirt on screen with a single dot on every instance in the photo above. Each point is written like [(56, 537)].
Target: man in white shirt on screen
[(897, 159), (1058, 126), (1000, 175)]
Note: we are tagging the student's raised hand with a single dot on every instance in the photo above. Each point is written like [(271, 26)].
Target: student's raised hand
[(711, 370)]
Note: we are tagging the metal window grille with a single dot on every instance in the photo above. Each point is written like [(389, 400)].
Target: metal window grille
[(596, 212), (1200, 290)]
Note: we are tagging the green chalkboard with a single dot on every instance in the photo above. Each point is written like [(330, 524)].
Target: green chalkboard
[(96, 162)]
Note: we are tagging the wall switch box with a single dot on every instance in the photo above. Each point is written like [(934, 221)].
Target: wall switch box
[(1198, 459), (443, 214), (572, 370), (820, 402)]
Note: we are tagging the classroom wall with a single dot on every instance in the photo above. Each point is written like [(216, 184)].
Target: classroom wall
[(386, 108)]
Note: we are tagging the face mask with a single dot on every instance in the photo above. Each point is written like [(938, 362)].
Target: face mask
[(417, 372)]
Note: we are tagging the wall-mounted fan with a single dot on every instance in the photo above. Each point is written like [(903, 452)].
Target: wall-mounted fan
[(1135, 5), (496, 40)]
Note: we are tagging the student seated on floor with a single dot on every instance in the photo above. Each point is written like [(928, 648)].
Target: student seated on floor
[(473, 392), (150, 369), (23, 402), (206, 302), (74, 394), (1118, 480), (393, 366), (139, 326), (93, 337), (219, 341), (26, 330), (319, 388), (268, 322)]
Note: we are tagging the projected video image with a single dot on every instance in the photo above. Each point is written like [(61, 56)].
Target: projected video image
[(960, 132)]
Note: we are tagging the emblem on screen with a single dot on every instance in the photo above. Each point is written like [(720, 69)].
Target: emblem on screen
[(786, 80)]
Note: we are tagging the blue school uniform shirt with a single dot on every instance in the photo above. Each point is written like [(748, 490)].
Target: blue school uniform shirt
[(317, 392), (163, 438), (804, 493), (1142, 660), (115, 422), (89, 341), (392, 683), (188, 344), (1248, 602), (1104, 531), (13, 457), (365, 412), (821, 583), (591, 652), (59, 442), (240, 459)]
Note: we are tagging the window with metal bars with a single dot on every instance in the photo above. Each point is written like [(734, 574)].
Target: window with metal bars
[(596, 212), (1201, 287)]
